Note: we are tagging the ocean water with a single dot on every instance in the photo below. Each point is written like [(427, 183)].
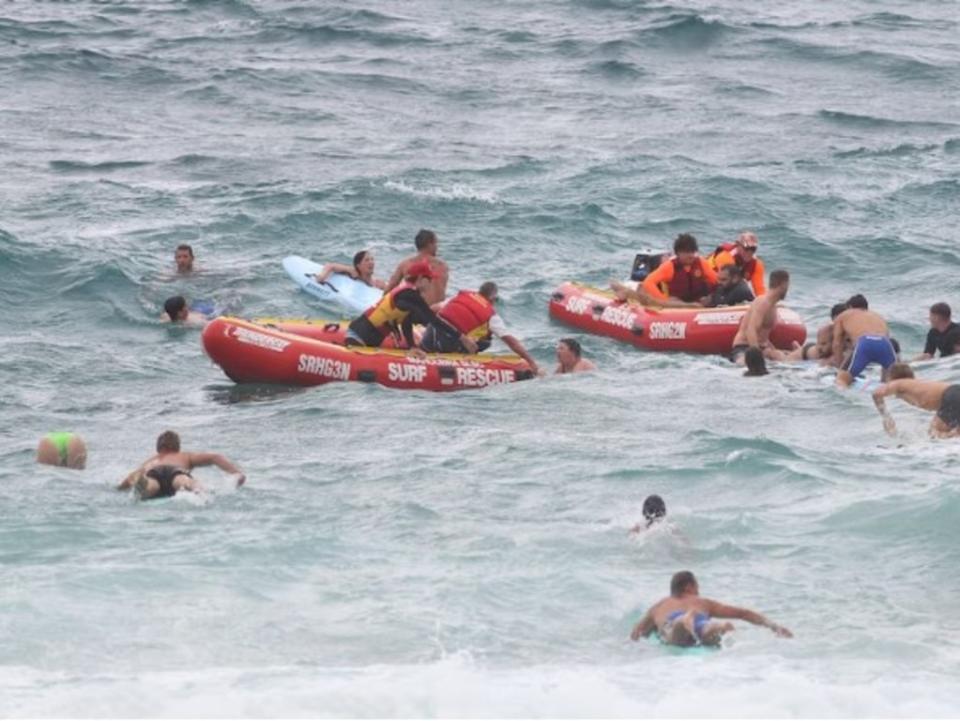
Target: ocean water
[(410, 554)]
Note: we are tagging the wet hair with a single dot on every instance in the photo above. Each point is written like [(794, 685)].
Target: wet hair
[(941, 309), (756, 364), (184, 246), (424, 238), (358, 259), (896, 345), (734, 270), (900, 370), (680, 581), (837, 310), (654, 509), (168, 441), (857, 301), (778, 278), (488, 290), (685, 243), (174, 306), (574, 345)]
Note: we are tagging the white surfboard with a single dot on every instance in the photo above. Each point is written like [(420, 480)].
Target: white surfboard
[(352, 295)]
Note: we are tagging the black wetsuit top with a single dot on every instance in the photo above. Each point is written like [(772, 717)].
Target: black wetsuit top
[(936, 341), (737, 295), (164, 475), (409, 300)]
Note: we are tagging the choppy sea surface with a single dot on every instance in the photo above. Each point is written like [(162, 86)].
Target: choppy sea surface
[(410, 554)]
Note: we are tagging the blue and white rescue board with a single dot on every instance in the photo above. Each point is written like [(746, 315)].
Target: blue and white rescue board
[(351, 295)]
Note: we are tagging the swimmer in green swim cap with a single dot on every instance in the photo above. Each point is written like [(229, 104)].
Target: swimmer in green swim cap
[(62, 449)]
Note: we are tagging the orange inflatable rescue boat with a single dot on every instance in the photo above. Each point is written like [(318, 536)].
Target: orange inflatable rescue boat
[(251, 353), (689, 330)]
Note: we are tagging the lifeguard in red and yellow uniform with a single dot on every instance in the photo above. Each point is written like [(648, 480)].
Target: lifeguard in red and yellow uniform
[(471, 314), (743, 254), (686, 276)]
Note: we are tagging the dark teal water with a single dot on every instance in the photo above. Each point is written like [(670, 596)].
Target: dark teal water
[(405, 554)]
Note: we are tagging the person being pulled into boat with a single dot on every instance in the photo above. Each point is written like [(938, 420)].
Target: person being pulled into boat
[(398, 310), (685, 618), (427, 243), (176, 310), (362, 270), (570, 357), (626, 293), (743, 254), (167, 472), (731, 288), (686, 276), (471, 314)]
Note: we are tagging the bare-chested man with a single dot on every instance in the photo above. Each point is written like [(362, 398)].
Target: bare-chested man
[(758, 321), (570, 357), (426, 242), (626, 293), (684, 618), (168, 471), (867, 333), (944, 398)]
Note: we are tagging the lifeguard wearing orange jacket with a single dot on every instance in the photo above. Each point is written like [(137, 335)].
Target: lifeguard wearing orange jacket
[(743, 254), (685, 276)]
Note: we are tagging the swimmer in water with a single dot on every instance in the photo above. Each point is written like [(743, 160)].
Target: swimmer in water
[(183, 257), (167, 472), (570, 357), (62, 449), (362, 270), (685, 618), (654, 511), (943, 398), (175, 310)]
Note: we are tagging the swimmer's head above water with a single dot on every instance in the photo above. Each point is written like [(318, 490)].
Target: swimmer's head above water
[(176, 308), (654, 509)]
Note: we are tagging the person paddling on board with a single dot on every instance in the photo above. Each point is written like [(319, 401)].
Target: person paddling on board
[(743, 254), (427, 243), (867, 333), (685, 618), (167, 472), (943, 398), (471, 314), (362, 270), (397, 311), (183, 257), (686, 276), (175, 310), (62, 449), (570, 357), (757, 323)]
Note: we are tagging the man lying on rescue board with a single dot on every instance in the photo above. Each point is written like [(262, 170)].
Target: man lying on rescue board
[(400, 307), (472, 314)]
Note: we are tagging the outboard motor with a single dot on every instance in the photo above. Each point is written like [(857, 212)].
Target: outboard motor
[(645, 263)]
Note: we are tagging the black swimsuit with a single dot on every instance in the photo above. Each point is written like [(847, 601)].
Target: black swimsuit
[(164, 475)]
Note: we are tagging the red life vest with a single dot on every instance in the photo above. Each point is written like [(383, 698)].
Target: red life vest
[(747, 267), (688, 284), (470, 313)]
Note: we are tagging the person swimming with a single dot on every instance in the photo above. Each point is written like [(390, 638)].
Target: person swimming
[(654, 511), (64, 449), (685, 618), (175, 310), (362, 270)]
